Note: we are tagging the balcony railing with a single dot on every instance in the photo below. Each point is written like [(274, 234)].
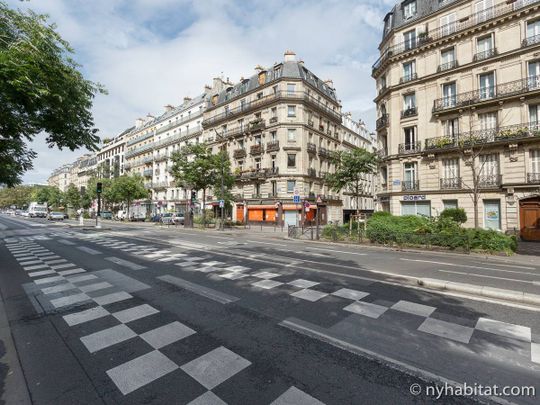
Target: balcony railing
[(256, 149), (413, 147), (181, 121), (470, 98), (382, 153), (273, 120), (272, 146), (410, 185), (532, 40), (447, 66), (284, 96), (451, 183), (490, 181), (483, 136), (255, 174), (256, 125), (408, 78), (140, 138), (324, 153), (147, 173), (311, 148), (311, 172), (382, 122), (239, 153), (450, 29), (533, 178), (485, 55), (409, 112)]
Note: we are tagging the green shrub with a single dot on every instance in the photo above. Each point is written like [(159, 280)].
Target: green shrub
[(456, 214), (334, 232)]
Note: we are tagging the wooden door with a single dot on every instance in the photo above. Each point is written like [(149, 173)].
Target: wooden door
[(529, 214)]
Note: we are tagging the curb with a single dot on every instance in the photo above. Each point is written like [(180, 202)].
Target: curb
[(482, 291)]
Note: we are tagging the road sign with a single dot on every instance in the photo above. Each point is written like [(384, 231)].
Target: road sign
[(307, 204), (296, 199), (319, 199), (221, 203)]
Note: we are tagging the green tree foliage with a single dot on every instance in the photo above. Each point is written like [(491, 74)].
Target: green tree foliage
[(352, 167), (73, 197), (125, 189), (47, 194), (455, 214), (107, 196), (41, 90), (19, 196)]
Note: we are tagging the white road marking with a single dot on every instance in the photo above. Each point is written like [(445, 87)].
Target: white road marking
[(267, 243), (338, 251), (485, 276)]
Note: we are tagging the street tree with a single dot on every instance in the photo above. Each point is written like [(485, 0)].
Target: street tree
[(73, 197), (107, 196), (19, 196), (125, 189), (41, 90), (48, 194), (352, 168), (196, 168)]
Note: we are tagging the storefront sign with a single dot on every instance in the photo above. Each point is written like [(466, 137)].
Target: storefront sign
[(396, 182), (414, 197)]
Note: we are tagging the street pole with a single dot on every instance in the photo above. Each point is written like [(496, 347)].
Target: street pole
[(98, 216), (222, 208)]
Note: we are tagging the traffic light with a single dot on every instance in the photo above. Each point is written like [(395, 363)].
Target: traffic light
[(99, 188), (193, 196)]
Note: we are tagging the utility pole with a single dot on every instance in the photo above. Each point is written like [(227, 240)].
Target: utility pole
[(99, 190), (222, 202)]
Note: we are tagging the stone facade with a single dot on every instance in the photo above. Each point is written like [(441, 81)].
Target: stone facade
[(459, 91)]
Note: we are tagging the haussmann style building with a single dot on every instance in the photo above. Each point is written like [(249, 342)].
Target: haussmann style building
[(459, 109)]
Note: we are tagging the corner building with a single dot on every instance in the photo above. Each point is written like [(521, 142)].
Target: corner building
[(458, 85)]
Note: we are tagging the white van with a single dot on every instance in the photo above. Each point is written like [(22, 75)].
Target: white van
[(37, 210)]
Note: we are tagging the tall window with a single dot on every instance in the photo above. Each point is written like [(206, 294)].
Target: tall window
[(291, 184), (534, 115), (449, 94), (274, 111), (448, 56), (291, 160), (448, 24), (533, 29), (257, 163), (273, 136), (535, 162), (291, 135), (409, 39), (483, 10), (409, 101), (451, 128), (291, 88), (410, 176), (409, 69), (534, 75), (450, 168), (409, 9), (487, 121), (258, 140), (291, 111), (487, 85), (489, 167), (410, 138), (484, 47)]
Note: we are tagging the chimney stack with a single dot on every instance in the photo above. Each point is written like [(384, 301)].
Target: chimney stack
[(290, 56), (187, 99), (139, 122), (217, 84), (168, 108), (259, 69), (329, 83)]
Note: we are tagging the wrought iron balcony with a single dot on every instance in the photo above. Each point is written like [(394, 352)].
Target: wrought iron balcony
[(533, 178), (272, 146), (490, 181), (273, 120), (485, 55), (409, 112), (239, 153), (532, 40), (413, 147), (310, 123), (256, 125), (410, 185), (451, 183), (504, 90), (509, 133), (273, 171), (256, 149), (408, 78), (464, 23), (311, 148), (253, 174), (382, 122), (447, 66), (311, 172), (324, 153), (148, 173), (176, 122)]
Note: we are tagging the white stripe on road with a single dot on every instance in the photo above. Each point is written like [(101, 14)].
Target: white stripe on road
[(89, 250), (485, 276), (266, 243), (457, 265), (125, 263)]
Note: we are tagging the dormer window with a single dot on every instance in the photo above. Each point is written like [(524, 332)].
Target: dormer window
[(409, 9)]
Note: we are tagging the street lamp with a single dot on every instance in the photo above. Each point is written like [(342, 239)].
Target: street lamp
[(222, 206)]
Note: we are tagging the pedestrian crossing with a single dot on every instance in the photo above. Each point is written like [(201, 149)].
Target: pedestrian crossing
[(209, 370)]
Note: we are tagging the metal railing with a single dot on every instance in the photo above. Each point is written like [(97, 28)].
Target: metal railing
[(533, 178), (408, 78), (532, 40), (140, 138), (483, 136), (447, 66), (311, 148), (148, 173), (270, 98), (381, 153), (410, 185), (311, 172), (413, 147), (382, 122), (485, 55), (256, 149), (239, 153), (323, 152), (451, 183), (514, 88), (490, 181), (272, 146), (449, 29), (409, 112), (181, 121)]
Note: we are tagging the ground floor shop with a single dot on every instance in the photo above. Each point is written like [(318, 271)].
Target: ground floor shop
[(512, 210)]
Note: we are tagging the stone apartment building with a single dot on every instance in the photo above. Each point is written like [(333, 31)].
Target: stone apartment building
[(280, 128), (60, 177), (459, 92), (110, 157)]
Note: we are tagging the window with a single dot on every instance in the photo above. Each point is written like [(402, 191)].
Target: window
[(534, 75), (275, 90), (535, 162), (259, 95), (533, 29), (450, 168), (410, 138), (242, 104), (291, 88), (274, 111), (487, 121), (448, 57), (291, 160), (409, 39), (257, 163), (449, 94), (291, 184), (487, 85), (409, 70), (421, 208), (484, 47), (534, 115), (291, 135), (409, 9), (274, 187), (450, 204), (273, 136), (447, 24), (258, 140), (291, 111), (489, 169), (410, 176), (483, 10), (492, 214), (273, 161), (409, 101)]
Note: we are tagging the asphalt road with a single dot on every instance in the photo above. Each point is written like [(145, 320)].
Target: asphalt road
[(135, 314)]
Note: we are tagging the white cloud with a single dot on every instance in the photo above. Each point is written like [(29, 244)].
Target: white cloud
[(149, 53)]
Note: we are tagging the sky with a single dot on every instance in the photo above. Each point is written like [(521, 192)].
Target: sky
[(150, 53)]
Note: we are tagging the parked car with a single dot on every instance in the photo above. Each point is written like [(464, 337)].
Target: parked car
[(156, 218), (25, 214), (179, 218), (106, 215), (171, 218), (121, 215), (66, 216), (55, 215)]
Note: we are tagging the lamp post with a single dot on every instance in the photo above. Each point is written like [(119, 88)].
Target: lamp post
[(222, 205)]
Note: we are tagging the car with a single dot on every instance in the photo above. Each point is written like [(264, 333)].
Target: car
[(179, 218), (55, 215), (25, 214), (121, 215), (167, 218), (106, 215), (66, 216)]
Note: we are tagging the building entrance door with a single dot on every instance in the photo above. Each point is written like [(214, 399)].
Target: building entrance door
[(529, 215)]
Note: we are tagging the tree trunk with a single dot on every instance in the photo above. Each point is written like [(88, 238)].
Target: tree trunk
[(204, 205), (127, 211)]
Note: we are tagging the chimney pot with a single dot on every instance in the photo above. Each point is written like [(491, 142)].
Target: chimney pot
[(290, 56)]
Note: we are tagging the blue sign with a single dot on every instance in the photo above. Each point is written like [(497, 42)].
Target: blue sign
[(296, 199), (221, 203)]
